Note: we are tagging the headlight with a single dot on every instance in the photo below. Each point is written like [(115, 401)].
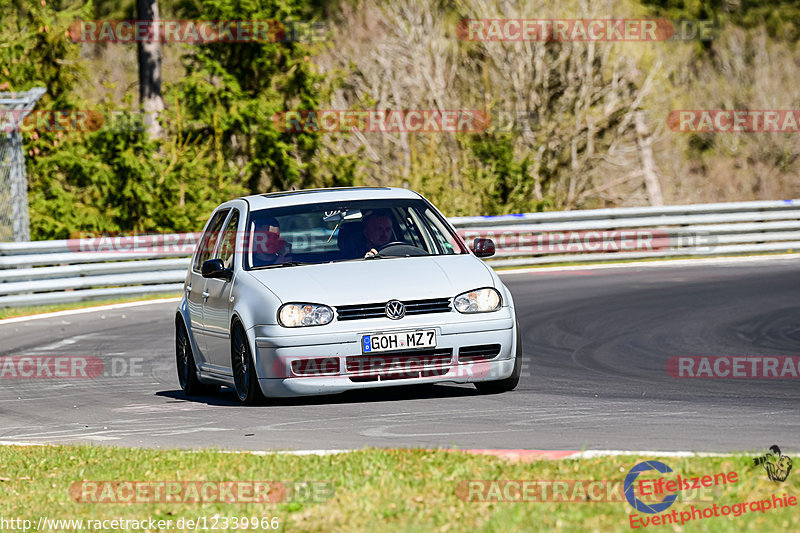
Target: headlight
[(296, 315), (478, 301)]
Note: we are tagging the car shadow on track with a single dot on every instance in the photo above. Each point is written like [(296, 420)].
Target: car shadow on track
[(227, 397)]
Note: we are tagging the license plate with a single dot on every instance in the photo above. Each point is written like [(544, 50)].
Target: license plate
[(403, 340)]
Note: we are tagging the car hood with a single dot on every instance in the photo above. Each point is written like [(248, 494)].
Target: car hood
[(376, 280)]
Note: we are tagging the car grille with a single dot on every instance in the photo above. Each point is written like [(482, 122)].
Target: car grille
[(484, 352), (401, 375), (316, 367), (378, 310), (403, 361)]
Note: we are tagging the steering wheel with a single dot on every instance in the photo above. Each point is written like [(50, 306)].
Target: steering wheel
[(393, 243), (401, 249)]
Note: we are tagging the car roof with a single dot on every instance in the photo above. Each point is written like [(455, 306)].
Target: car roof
[(333, 194)]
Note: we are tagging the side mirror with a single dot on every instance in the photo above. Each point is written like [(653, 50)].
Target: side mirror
[(483, 247), (214, 268)]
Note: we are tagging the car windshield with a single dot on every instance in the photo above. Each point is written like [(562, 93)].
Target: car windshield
[(344, 231)]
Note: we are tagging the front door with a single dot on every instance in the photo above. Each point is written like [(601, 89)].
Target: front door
[(196, 284), (217, 307)]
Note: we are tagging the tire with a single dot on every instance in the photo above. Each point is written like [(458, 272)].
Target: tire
[(244, 371), (511, 382), (184, 361)]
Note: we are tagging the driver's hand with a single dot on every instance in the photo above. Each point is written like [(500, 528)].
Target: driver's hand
[(372, 252)]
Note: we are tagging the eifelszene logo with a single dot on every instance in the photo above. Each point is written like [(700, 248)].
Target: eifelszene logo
[(672, 487), (630, 482), (777, 465)]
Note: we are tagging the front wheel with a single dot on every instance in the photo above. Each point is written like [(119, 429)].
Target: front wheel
[(244, 371), (511, 382), (187, 370)]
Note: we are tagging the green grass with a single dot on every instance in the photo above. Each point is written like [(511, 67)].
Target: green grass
[(12, 312), (373, 490)]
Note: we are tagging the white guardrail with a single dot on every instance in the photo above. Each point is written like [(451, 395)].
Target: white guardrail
[(49, 272)]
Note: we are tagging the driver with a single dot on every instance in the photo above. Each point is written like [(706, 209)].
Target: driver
[(377, 231)]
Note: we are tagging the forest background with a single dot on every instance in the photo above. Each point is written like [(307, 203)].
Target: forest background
[(575, 125)]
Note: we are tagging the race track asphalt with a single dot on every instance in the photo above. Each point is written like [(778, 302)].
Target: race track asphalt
[(596, 344)]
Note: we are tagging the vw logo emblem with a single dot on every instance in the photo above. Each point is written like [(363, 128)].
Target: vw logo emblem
[(395, 309)]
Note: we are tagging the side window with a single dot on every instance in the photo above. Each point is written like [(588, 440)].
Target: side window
[(208, 241), (410, 229), (445, 240), (228, 248)]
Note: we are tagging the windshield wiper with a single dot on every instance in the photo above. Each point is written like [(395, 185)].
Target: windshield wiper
[(376, 256), (286, 264)]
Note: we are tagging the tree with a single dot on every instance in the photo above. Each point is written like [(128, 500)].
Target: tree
[(566, 135), (236, 88), (150, 99)]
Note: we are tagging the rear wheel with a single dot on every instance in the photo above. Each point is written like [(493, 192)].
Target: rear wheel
[(244, 372), (511, 382), (187, 370)]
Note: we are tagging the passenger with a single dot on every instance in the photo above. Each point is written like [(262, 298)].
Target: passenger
[(268, 246)]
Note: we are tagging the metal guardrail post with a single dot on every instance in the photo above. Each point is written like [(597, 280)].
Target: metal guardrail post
[(12, 160)]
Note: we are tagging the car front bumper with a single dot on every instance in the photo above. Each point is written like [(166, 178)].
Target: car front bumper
[(277, 348)]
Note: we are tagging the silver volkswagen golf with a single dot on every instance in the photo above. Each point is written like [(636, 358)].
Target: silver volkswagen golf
[(328, 290)]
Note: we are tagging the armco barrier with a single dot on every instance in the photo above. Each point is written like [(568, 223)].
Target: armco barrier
[(47, 272)]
